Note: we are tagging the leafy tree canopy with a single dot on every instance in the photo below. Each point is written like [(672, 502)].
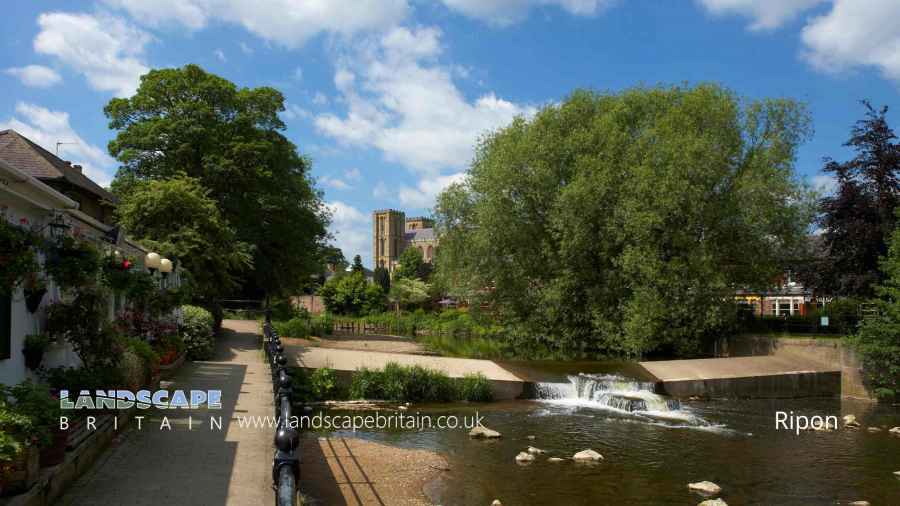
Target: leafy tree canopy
[(878, 339), (622, 223), (177, 217), (857, 221), (352, 294), (412, 265), (187, 121), (358, 265), (407, 292)]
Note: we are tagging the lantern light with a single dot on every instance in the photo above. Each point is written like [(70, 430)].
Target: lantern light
[(165, 266), (152, 261)]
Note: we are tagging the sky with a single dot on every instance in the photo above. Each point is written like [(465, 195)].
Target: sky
[(388, 97)]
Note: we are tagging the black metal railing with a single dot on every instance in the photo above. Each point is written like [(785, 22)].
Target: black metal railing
[(286, 463)]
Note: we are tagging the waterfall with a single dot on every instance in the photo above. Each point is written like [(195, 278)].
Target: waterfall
[(611, 391)]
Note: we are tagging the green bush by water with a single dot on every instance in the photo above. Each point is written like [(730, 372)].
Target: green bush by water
[(417, 384)]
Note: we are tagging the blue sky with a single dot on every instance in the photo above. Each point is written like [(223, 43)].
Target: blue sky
[(388, 96)]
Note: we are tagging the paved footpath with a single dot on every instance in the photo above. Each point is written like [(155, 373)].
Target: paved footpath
[(231, 466)]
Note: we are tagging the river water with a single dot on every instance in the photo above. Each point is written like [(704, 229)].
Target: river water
[(654, 446)]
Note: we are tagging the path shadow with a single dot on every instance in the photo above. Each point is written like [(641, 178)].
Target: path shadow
[(332, 474)]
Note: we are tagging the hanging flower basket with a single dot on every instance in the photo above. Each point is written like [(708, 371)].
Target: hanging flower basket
[(17, 258), (73, 263), (33, 299)]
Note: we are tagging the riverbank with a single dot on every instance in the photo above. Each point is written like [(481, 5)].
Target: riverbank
[(356, 472)]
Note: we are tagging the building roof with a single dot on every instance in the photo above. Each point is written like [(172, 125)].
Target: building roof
[(27, 156), (420, 234)]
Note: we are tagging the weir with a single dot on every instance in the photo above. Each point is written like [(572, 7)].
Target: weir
[(746, 377), (624, 396)]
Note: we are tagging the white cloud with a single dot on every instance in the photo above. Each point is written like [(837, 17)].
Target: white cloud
[(334, 183), (287, 22), (220, 55), (353, 174), (104, 48), (36, 76), (351, 229), (320, 99), (47, 127), (856, 33), (824, 183), (506, 12), (405, 104), (381, 191), (245, 48), (423, 195), (294, 111), (765, 14)]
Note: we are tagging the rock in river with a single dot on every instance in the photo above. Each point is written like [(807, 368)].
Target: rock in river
[(705, 487), (713, 502), (850, 421), (587, 455), (555, 459), (496, 503), (483, 432), (535, 451), (860, 503), (524, 458)]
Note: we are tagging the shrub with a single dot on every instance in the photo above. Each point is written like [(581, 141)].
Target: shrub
[(417, 384), (295, 327), (323, 383), (83, 378), (475, 388), (197, 332), (33, 401)]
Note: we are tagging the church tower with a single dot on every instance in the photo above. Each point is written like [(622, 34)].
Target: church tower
[(388, 229)]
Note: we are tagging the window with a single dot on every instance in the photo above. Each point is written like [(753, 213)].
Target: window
[(5, 327)]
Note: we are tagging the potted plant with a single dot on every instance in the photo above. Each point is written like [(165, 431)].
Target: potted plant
[(35, 289), (17, 258), (34, 348)]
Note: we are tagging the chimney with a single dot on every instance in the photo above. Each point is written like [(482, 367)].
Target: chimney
[(77, 168)]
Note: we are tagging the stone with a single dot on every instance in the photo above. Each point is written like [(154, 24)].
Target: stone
[(307, 408), (402, 408), (496, 503), (587, 455), (483, 432), (897, 474), (895, 431), (850, 421), (705, 487), (873, 429), (555, 459), (713, 502), (860, 503), (535, 451), (531, 437), (524, 458)]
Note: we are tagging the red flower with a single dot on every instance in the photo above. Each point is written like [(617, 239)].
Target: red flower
[(126, 264)]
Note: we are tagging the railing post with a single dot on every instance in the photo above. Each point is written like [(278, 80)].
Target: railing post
[(286, 462)]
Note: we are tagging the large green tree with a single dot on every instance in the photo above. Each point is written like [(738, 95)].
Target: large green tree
[(878, 339), (187, 121), (624, 222), (177, 217)]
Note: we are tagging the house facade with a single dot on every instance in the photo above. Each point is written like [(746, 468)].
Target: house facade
[(32, 197)]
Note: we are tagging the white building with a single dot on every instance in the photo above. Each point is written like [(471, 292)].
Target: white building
[(27, 201)]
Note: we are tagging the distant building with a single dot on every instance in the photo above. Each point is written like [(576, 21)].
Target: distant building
[(393, 232), (787, 298)]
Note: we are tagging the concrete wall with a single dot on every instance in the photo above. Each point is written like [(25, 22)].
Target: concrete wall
[(831, 352)]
